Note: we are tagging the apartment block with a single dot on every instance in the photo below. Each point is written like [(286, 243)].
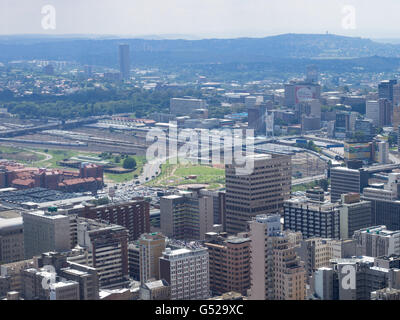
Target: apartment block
[(187, 215), (133, 215), (276, 271), (107, 247), (229, 263), (151, 247), (187, 271)]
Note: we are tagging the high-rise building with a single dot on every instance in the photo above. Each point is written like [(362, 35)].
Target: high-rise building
[(133, 215), (276, 270), (344, 180), (312, 219), (256, 118), (218, 205), (45, 231), (354, 214), (87, 278), (396, 95), (151, 247), (229, 263), (315, 253), (381, 152), (372, 111), (187, 216), (11, 240), (134, 260), (186, 270), (262, 191), (385, 89), (377, 241), (385, 212), (107, 247), (124, 61), (385, 112)]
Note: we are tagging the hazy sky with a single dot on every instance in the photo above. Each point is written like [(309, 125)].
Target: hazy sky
[(204, 18)]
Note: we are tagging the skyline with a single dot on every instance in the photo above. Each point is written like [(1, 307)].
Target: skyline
[(205, 19)]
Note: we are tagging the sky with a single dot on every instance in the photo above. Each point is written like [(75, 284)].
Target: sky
[(202, 18)]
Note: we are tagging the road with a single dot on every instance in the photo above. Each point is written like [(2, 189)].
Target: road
[(296, 182)]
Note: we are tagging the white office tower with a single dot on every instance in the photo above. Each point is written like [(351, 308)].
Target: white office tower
[(187, 271), (382, 152), (372, 111), (315, 108)]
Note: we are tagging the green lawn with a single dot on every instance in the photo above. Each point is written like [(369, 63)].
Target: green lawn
[(175, 175), (21, 155)]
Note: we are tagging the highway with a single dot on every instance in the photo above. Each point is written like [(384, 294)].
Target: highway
[(296, 182)]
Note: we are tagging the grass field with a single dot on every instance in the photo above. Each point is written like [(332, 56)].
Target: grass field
[(175, 175), (21, 155)]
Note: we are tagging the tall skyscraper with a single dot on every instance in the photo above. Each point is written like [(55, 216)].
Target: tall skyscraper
[(262, 191), (124, 61), (385, 89), (151, 247), (256, 118), (276, 271), (385, 112)]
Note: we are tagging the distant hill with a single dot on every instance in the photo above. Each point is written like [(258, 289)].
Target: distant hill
[(104, 51)]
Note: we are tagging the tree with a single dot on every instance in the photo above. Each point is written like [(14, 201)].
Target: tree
[(129, 163), (391, 140), (324, 184)]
